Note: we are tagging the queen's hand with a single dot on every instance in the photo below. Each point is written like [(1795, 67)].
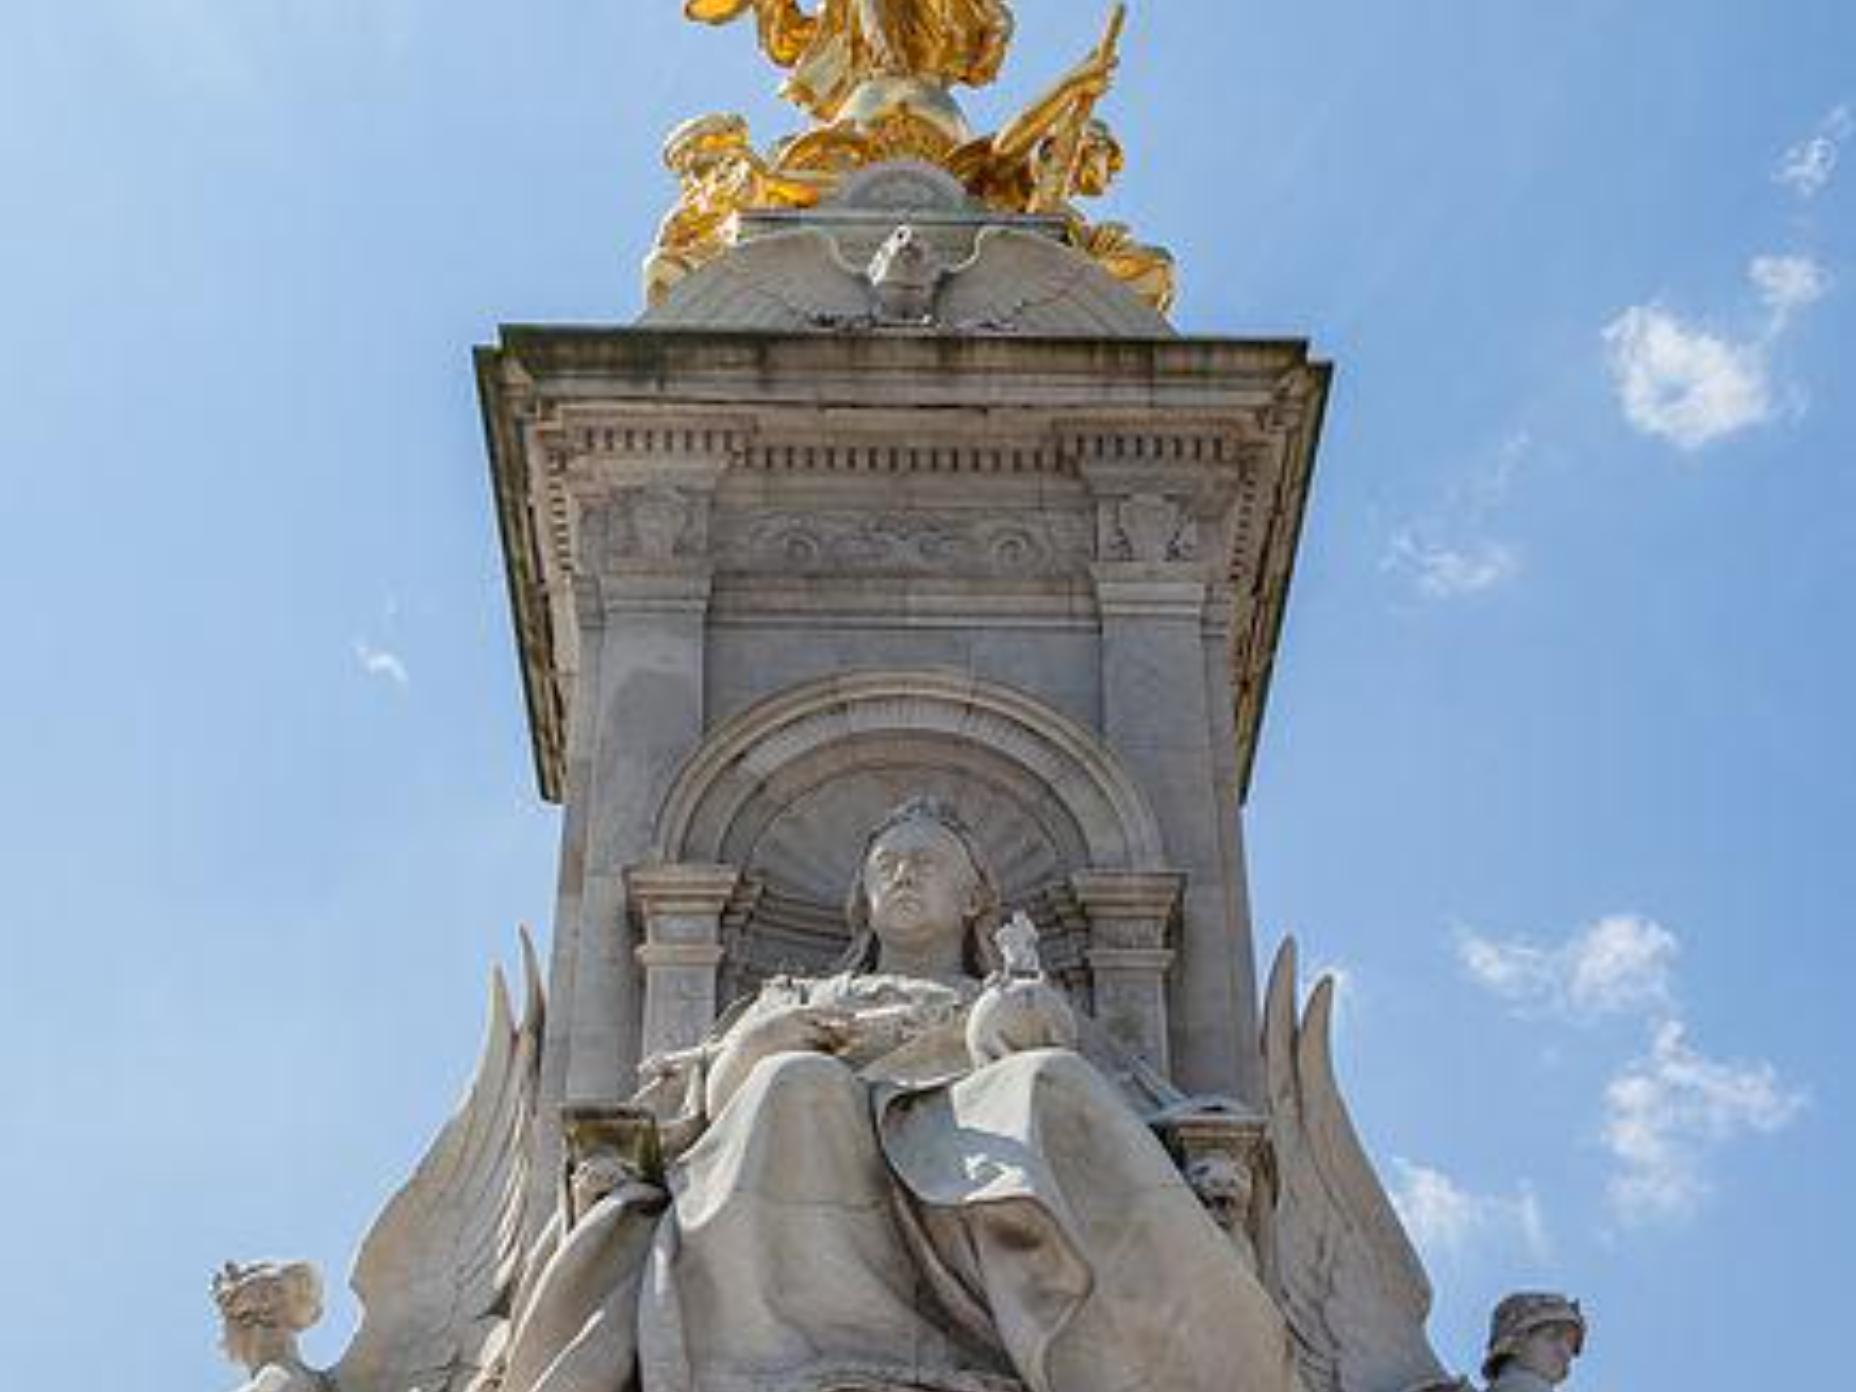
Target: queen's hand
[(788, 1029)]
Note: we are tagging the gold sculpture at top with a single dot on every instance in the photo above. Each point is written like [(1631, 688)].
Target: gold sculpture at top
[(876, 77)]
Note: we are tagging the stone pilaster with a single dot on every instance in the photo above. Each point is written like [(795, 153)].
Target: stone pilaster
[(642, 586), (1130, 921), (680, 908)]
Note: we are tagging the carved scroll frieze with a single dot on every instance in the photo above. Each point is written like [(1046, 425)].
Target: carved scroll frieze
[(903, 543)]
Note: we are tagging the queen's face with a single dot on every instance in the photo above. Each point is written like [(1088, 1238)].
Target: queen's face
[(921, 885), (1548, 1351)]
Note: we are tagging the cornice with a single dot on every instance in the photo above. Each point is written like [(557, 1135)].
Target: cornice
[(1218, 435)]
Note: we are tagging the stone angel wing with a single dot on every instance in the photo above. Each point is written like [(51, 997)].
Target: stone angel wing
[(788, 281), (1353, 1289), (1023, 282), (436, 1273)]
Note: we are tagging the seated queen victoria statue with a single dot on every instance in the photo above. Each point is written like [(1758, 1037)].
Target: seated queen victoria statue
[(906, 1175), (924, 1172)]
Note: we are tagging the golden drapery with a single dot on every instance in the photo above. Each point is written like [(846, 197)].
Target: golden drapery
[(846, 43)]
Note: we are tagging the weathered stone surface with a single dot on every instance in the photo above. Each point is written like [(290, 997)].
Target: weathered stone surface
[(901, 1175), (701, 524)]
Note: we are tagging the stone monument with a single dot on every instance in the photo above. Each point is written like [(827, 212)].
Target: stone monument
[(896, 603)]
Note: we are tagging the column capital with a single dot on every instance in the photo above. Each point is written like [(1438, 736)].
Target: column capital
[(680, 907), (1129, 910), (1130, 917), (684, 589), (1136, 891), (672, 890), (1147, 961), (703, 955), (1150, 592)]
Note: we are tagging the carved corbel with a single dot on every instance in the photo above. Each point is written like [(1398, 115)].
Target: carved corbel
[(1225, 1157), (608, 1145)]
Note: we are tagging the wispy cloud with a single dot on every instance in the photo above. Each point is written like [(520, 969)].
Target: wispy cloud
[(233, 52), (1622, 964), (1787, 284), (1449, 1222), (1808, 167), (1692, 385), (1449, 552), (1440, 571), (382, 663), (1667, 1112)]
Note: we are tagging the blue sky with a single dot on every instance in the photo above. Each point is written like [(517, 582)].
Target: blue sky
[(1558, 772)]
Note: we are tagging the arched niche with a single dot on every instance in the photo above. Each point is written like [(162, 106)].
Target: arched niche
[(786, 791)]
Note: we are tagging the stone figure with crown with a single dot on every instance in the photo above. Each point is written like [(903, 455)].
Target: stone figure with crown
[(896, 603), (923, 1170)]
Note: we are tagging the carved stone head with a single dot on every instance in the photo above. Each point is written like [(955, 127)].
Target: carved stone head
[(1537, 1331), (922, 873), (263, 1306)]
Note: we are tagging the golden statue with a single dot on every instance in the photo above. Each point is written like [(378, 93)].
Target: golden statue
[(862, 60), (1056, 151), (876, 78), (720, 175)]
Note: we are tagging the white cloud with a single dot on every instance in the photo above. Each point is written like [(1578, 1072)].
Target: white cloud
[(1451, 572), (1622, 964), (1808, 167), (1447, 553), (1447, 1221), (1667, 1112), (1788, 284), (382, 663), (1683, 383), (1692, 386)]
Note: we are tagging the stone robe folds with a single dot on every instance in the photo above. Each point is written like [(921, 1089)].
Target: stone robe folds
[(894, 1218)]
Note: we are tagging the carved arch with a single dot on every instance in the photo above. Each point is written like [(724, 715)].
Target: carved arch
[(756, 770), (774, 806)]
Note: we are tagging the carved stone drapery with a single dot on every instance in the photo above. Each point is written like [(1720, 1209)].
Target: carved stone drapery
[(1130, 921), (680, 908)]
